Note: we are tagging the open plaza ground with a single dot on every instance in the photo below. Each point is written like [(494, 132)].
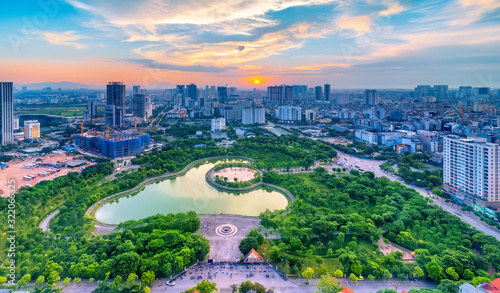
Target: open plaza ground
[(225, 248), (241, 174), (17, 171)]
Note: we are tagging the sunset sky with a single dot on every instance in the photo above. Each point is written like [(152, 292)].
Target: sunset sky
[(247, 43)]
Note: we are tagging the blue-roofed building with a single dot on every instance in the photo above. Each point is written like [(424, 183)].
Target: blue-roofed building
[(116, 146)]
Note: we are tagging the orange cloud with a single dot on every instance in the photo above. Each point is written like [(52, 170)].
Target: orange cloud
[(68, 38)]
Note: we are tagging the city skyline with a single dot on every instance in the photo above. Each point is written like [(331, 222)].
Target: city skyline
[(379, 44)]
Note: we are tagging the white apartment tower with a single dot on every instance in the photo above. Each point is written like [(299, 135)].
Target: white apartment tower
[(253, 115), (471, 170), (286, 113)]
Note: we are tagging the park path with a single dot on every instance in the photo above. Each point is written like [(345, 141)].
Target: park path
[(44, 225)]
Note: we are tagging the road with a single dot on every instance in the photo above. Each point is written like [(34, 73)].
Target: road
[(374, 166), (44, 225)]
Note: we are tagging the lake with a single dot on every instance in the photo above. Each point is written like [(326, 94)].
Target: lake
[(189, 192)]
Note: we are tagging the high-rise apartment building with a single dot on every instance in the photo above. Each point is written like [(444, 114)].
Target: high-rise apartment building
[(286, 113), (371, 97), (222, 94), (115, 104), (300, 90), (342, 99), (326, 88), (471, 170), (181, 92), (318, 93), (253, 115), (288, 95), (31, 130), (440, 91), (139, 105), (422, 91), (6, 113), (192, 92), (92, 109), (275, 94), (464, 91), (231, 111)]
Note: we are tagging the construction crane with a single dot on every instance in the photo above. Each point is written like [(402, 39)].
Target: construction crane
[(143, 119), (91, 119)]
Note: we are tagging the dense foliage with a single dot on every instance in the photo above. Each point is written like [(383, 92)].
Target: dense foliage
[(336, 218), (412, 169), (282, 152)]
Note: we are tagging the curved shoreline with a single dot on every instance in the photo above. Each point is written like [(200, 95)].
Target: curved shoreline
[(209, 177), (95, 207)]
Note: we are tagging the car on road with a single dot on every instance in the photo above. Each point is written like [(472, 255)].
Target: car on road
[(170, 283)]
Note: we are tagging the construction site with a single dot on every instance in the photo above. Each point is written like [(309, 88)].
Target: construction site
[(113, 144)]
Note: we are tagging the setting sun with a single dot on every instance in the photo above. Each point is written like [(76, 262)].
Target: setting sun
[(256, 80)]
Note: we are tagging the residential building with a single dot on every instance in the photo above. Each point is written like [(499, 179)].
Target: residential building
[(192, 92), (92, 109), (231, 111), (222, 94), (366, 136), (371, 97), (326, 88), (275, 94), (464, 91), (471, 170), (440, 91), (288, 95), (139, 105), (342, 99), (422, 91), (428, 99), (115, 104), (318, 93), (218, 125), (6, 113), (310, 114), (253, 115), (31, 130), (289, 113), (181, 92)]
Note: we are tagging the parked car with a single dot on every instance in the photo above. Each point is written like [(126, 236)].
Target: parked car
[(170, 283)]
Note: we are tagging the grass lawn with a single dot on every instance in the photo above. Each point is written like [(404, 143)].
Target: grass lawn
[(66, 112)]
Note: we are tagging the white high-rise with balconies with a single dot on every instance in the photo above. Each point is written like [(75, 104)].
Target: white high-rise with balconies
[(471, 170)]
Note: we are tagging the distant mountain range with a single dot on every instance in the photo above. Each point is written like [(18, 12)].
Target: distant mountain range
[(65, 85), (68, 85)]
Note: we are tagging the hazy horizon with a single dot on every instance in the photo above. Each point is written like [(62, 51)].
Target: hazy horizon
[(253, 43)]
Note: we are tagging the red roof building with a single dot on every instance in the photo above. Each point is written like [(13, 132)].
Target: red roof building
[(253, 257), (346, 290)]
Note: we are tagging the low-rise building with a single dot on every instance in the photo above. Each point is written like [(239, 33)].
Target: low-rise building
[(218, 124), (366, 136)]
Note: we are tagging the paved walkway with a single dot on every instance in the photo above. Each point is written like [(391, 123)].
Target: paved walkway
[(44, 225)]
